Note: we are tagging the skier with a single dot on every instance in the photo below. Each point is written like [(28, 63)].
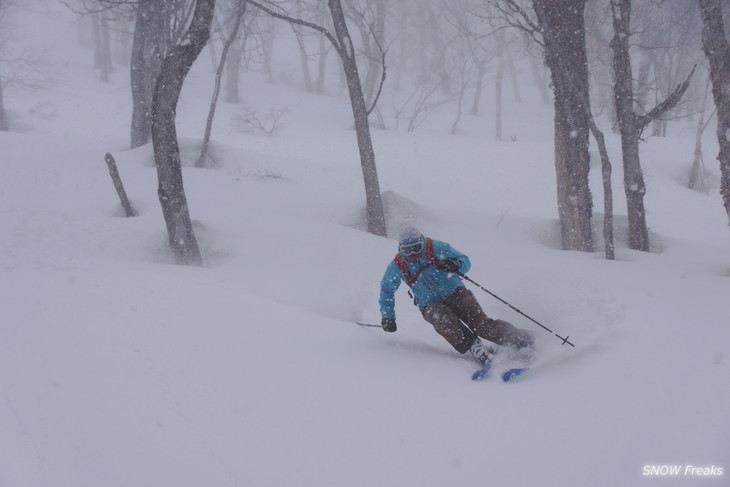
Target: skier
[(429, 268)]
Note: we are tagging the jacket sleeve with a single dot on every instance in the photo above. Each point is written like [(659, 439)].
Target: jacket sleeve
[(444, 250), (388, 286)]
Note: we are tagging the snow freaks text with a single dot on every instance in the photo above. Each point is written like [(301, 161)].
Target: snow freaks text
[(682, 471)]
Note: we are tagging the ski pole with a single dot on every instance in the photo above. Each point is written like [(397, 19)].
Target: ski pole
[(368, 324), (565, 340)]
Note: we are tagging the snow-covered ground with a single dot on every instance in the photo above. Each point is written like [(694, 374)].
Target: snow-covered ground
[(118, 368)]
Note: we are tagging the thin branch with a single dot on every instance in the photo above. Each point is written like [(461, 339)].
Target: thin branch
[(104, 6), (305, 23)]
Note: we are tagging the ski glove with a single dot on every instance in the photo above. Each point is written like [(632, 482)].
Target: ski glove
[(450, 264), (389, 325)]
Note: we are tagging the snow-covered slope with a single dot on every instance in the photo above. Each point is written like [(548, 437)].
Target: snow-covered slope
[(119, 368)]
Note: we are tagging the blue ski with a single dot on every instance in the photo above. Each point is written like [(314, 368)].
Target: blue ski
[(510, 374), (482, 373)]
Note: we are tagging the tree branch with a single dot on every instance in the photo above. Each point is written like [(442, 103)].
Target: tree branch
[(382, 76), (305, 23), (516, 16), (380, 87), (670, 102)]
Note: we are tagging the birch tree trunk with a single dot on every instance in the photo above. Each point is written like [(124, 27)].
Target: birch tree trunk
[(171, 192)]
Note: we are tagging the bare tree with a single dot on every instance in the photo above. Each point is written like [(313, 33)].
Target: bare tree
[(3, 117), (158, 26), (236, 19), (561, 23), (539, 75), (697, 173), (102, 44), (303, 56), (169, 83), (498, 84), (236, 58), (560, 27), (26, 68), (717, 49), (632, 125), (148, 51), (342, 43), (324, 49), (370, 21)]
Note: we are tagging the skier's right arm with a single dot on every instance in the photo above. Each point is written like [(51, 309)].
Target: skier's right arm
[(388, 286)]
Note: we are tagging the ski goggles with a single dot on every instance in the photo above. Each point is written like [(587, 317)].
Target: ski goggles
[(411, 248)]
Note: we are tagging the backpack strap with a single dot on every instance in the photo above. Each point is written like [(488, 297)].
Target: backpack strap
[(430, 255), (411, 278)]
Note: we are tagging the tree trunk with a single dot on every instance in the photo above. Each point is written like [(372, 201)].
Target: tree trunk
[(111, 164), (642, 82), (342, 42), (481, 71), (632, 125), (238, 18), (3, 118), (267, 49), (171, 192), (606, 169), (717, 50), (373, 202), (498, 83), (512, 73), (233, 70), (147, 55), (463, 85), (563, 30), (404, 15), (303, 56), (321, 65), (323, 52), (106, 49), (374, 65), (539, 79), (623, 91), (697, 175)]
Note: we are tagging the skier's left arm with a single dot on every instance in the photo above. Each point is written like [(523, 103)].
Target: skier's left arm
[(444, 252)]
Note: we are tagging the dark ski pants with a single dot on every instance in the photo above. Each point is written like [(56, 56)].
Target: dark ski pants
[(460, 319)]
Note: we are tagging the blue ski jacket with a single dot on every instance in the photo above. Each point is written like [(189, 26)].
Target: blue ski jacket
[(433, 284)]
